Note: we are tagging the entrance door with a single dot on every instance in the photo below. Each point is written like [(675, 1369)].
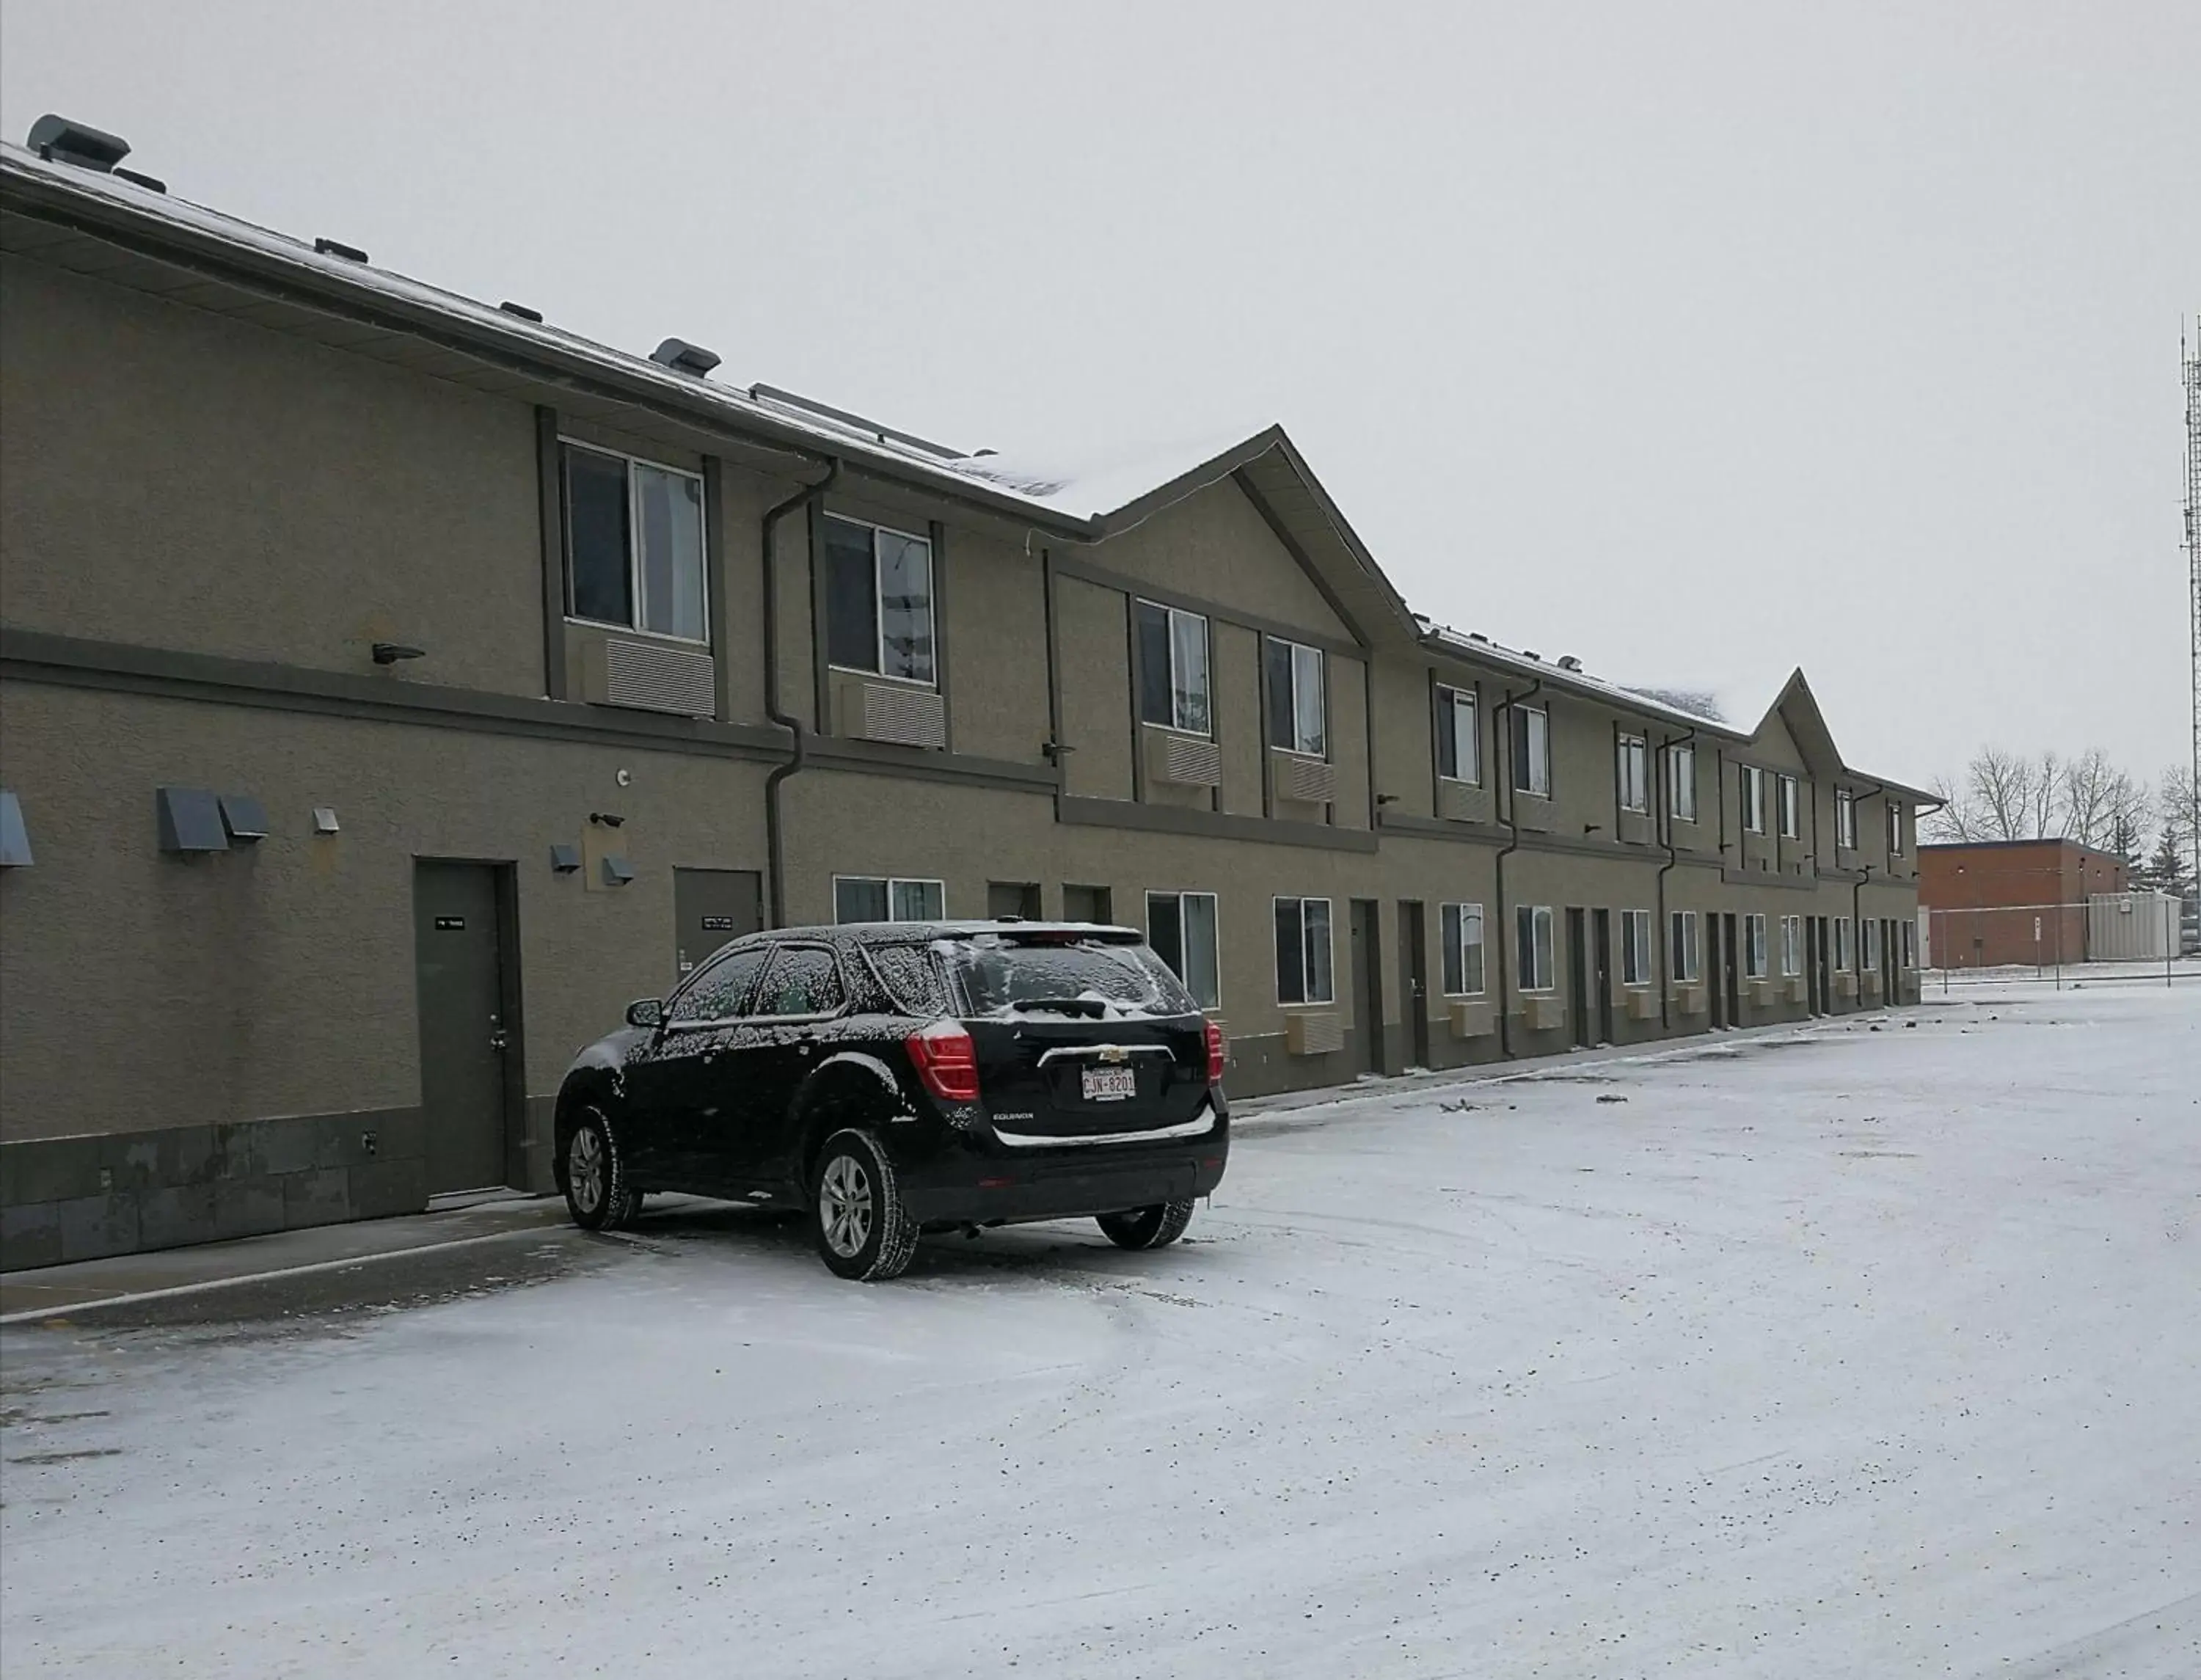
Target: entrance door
[(1578, 975), (1732, 970), (1414, 979), (1601, 971), (1715, 969), (709, 907), (1811, 963), (1368, 982), (466, 982)]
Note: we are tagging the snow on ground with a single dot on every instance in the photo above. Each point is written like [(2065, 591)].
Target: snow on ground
[(1847, 1353)]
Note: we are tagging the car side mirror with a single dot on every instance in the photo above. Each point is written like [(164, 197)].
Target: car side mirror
[(646, 1012)]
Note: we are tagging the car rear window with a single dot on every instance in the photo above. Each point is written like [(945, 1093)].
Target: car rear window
[(1008, 976), (911, 977)]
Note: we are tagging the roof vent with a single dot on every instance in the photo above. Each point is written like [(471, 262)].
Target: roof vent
[(58, 139), (682, 357), (522, 311), (1569, 662), (1531, 653), (338, 248), (1477, 636)]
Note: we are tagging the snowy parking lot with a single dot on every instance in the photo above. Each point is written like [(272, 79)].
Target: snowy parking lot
[(1872, 1350)]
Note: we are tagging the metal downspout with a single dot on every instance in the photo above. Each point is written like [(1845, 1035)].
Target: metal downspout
[(775, 843), (1857, 899), (1512, 822), (1673, 859)]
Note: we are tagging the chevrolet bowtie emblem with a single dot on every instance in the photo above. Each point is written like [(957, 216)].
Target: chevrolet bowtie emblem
[(1114, 1053)]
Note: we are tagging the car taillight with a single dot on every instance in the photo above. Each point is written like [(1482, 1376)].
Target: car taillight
[(1216, 1056), (946, 1060)]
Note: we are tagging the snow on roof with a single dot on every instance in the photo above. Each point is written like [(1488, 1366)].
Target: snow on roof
[(1660, 703), (1111, 479)]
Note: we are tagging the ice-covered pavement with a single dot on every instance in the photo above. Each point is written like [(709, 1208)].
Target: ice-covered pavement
[(1855, 1354)]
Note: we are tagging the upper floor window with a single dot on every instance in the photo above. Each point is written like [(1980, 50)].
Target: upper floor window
[(1753, 800), (1298, 719), (1634, 765), (1635, 948), (1791, 797), (1173, 668), (1681, 782), (1532, 945), (1462, 950), (1753, 946), (1459, 739), (1846, 819), (1303, 965), (634, 544), (1895, 828), (1180, 928), (878, 600), (1532, 751), (1682, 958), (873, 898)]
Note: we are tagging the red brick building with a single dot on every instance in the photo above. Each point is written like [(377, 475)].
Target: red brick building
[(1989, 903)]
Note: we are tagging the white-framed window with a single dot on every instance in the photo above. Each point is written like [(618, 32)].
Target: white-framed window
[(1462, 949), (1299, 718), (1634, 767), (1532, 751), (1635, 948), (1303, 954), (1895, 828), (878, 600), (1532, 936), (1842, 943), (1459, 735), (1173, 675), (1181, 927), (1753, 800), (1910, 944), (1846, 819), (1682, 956), (1791, 800), (634, 544), (1753, 946), (1681, 782), (1792, 945), (887, 898), (1867, 944)]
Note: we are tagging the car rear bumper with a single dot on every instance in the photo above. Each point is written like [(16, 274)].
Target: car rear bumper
[(987, 1183)]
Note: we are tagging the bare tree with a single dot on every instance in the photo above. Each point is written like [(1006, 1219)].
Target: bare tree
[(2003, 791), (2096, 794), (2005, 796)]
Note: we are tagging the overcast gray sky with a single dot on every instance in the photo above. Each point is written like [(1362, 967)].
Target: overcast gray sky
[(1696, 340)]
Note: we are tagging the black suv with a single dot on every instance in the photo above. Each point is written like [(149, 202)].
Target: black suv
[(894, 1077)]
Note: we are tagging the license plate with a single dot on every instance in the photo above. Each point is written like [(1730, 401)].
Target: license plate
[(1108, 1085)]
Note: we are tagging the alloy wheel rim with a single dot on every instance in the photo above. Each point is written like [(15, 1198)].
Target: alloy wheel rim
[(844, 1206), (584, 1169)]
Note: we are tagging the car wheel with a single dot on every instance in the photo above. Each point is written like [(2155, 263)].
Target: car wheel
[(864, 1232), (597, 1191), (1154, 1227)]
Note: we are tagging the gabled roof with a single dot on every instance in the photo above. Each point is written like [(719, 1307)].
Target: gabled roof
[(1572, 679)]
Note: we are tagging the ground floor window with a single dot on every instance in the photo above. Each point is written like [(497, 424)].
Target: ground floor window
[(887, 898), (1181, 927), (1869, 942), (1682, 957), (1910, 944), (1791, 944), (1532, 935), (1462, 950), (1842, 943), (1303, 973), (1635, 948), (1753, 949)]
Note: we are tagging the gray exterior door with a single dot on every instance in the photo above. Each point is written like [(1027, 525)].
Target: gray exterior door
[(1730, 969), (709, 907), (1368, 982), (459, 954), (1007, 899), (1085, 904), (1414, 979), (1602, 971), (1578, 972)]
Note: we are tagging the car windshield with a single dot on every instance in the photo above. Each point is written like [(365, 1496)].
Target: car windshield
[(1076, 977)]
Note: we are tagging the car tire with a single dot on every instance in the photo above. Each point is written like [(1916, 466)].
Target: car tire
[(864, 1232), (1154, 1227), (597, 1194)]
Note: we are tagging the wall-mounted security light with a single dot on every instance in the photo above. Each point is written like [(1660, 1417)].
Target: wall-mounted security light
[(618, 871), (324, 819), (389, 653), (565, 860), (243, 817), (189, 820), (14, 837)]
